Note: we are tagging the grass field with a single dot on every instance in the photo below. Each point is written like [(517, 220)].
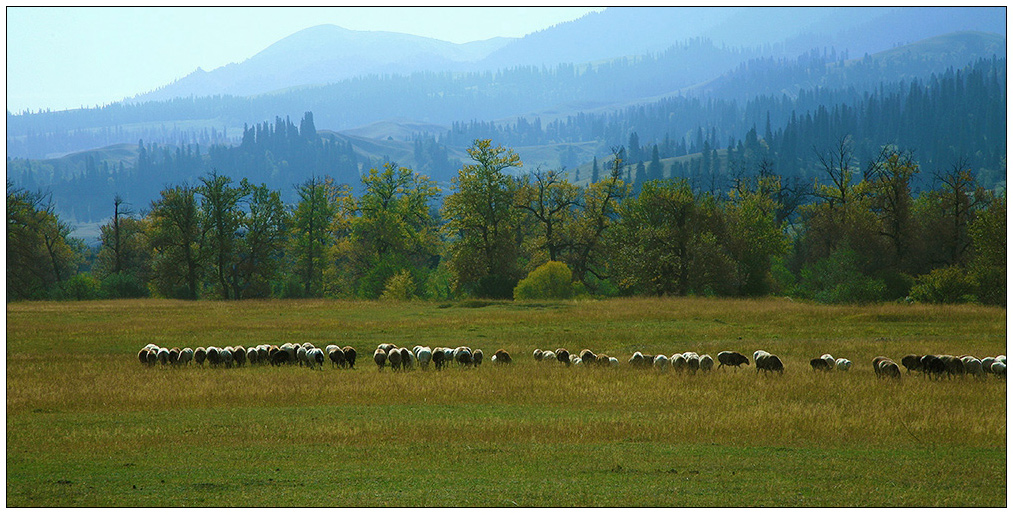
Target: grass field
[(87, 425)]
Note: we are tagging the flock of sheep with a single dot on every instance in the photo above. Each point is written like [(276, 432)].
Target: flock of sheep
[(402, 359), (288, 353)]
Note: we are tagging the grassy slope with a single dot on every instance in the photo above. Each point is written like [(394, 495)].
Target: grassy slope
[(86, 424)]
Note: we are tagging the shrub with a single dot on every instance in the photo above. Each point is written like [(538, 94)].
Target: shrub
[(400, 286), (79, 287), (948, 285), (838, 280), (123, 286), (553, 280)]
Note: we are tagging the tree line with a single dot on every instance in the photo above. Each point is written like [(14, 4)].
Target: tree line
[(858, 235)]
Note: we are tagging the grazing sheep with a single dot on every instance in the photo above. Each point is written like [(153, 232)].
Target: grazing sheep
[(214, 356), (252, 356), (549, 356), (316, 358), (407, 359), (972, 366), (843, 364), (538, 354), (999, 369), (678, 362), (387, 347), (301, 356), (394, 358), (613, 362), (587, 356), (637, 360), (731, 359), (439, 358), (379, 357), (986, 364), (337, 357), (573, 359), (424, 355), (692, 362), (226, 357), (350, 355), (162, 355), (954, 366), (477, 356), (563, 356), (830, 361), (239, 355), (281, 358), (1001, 358), (329, 348), (768, 362), (463, 356), (886, 367), (185, 356), (661, 362), (933, 366), (706, 363), (819, 364), (199, 355), (174, 355), (142, 355), (502, 357), (912, 362)]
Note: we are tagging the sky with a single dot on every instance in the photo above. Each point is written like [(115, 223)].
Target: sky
[(70, 57)]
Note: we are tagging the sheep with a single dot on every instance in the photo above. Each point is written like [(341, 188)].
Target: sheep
[(289, 349), (199, 355), (731, 359), (678, 362), (407, 359), (252, 356), (162, 355), (263, 353), (587, 356), (637, 360), (661, 363), (830, 361), (174, 355), (229, 357), (387, 347), (142, 355), (972, 366), (476, 357), (316, 358), (613, 362), (301, 356), (439, 358), (563, 356), (603, 360), (692, 362), (932, 365), (706, 363), (214, 356), (463, 356), (768, 362), (886, 367), (573, 359), (1001, 358), (239, 355), (337, 356), (538, 354), (954, 366), (819, 364), (424, 355), (281, 358), (986, 364), (843, 364), (379, 357), (185, 356), (912, 362), (502, 357), (549, 356), (350, 355), (999, 369), (394, 358)]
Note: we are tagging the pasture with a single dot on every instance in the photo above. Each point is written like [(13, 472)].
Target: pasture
[(88, 425)]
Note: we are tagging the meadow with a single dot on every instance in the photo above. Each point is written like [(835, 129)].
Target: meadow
[(88, 425)]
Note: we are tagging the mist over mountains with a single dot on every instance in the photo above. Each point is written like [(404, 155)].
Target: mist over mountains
[(422, 99)]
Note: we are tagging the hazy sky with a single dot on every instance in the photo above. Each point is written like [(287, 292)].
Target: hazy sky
[(68, 57)]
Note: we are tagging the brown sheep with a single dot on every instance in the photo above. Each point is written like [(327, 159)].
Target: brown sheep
[(394, 357), (350, 355), (379, 357), (732, 359)]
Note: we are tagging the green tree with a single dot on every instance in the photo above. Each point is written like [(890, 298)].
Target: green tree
[(394, 231), (599, 211), (176, 243), (890, 189), (261, 244), (552, 201), (221, 218), (551, 280), (40, 254), (123, 263), (988, 266), (755, 237), (311, 232), (655, 170), (481, 222)]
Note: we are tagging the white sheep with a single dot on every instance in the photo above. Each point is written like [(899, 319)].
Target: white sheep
[(549, 356), (613, 362), (424, 355), (999, 369), (706, 363), (973, 366), (538, 354), (407, 358), (316, 358), (162, 355), (842, 364), (226, 357)]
